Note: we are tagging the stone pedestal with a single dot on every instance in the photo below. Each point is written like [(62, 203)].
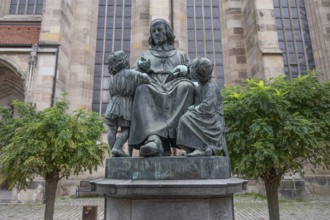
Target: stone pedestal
[(165, 188)]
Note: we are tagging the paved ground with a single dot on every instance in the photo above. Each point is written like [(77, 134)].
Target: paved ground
[(255, 208), (246, 208)]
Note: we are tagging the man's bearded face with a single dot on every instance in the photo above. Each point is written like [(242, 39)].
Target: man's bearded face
[(158, 33)]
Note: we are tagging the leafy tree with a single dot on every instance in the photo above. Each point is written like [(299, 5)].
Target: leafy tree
[(50, 143), (277, 127)]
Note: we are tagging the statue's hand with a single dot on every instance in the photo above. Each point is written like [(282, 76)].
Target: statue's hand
[(146, 78), (191, 108), (181, 70), (144, 64)]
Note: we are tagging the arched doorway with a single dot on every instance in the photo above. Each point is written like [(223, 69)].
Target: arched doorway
[(11, 84), (11, 88)]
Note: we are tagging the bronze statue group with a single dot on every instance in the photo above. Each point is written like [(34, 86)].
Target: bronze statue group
[(164, 101)]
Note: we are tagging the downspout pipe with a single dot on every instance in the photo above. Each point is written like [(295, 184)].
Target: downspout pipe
[(52, 101), (172, 15)]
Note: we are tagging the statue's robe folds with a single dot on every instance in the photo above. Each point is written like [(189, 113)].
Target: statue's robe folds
[(158, 106), (203, 126)]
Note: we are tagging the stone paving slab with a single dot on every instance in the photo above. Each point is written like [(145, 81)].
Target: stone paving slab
[(246, 208), (65, 209), (312, 208)]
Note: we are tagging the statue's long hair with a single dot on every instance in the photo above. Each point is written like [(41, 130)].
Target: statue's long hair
[(169, 33)]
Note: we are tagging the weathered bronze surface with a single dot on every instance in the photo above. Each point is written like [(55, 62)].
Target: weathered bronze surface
[(175, 104)]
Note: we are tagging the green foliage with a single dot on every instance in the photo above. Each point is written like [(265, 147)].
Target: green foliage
[(48, 141), (278, 127)]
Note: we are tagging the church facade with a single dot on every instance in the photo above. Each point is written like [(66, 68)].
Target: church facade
[(50, 47)]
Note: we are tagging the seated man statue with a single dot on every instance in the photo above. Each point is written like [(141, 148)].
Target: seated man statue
[(158, 106)]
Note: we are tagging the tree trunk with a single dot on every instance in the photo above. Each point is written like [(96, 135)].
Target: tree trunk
[(50, 194), (272, 184)]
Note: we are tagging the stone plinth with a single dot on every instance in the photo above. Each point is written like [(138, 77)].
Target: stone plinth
[(167, 168), (165, 188)]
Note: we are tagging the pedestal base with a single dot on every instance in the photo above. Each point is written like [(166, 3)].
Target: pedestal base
[(168, 209), (169, 199), (170, 196)]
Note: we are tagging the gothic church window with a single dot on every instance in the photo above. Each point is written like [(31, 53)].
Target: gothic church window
[(113, 33), (26, 7), (294, 37), (204, 33)]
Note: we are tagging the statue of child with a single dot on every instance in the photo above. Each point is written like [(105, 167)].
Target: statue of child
[(201, 130), (121, 88)]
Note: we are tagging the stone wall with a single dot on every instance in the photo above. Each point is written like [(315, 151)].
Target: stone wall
[(179, 24), (318, 14), (317, 184), (43, 80), (65, 14), (16, 56), (83, 47), (48, 68), (143, 12), (251, 38), (139, 28), (4, 9), (72, 25), (233, 45), (264, 57)]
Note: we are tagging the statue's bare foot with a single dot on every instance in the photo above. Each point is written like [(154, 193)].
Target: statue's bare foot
[(118, 153), (196, 153)]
